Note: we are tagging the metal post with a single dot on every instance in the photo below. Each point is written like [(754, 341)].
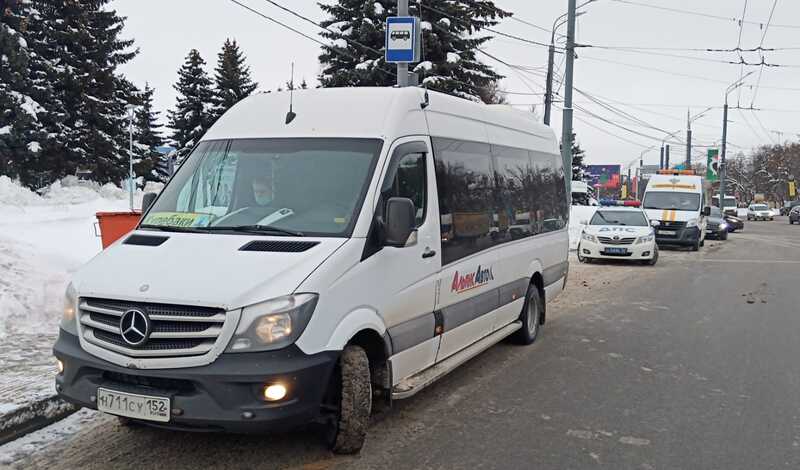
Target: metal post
[(661, 161), (130, 157), (666, 158), (566, 134), (722, 156), (402, 69), (688, 141), (548, 97)]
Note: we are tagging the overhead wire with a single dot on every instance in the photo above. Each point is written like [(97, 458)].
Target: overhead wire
[(702, 14), (739, 44), (763, 35)]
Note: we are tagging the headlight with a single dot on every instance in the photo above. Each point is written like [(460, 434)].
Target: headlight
[(723, 226), (691, 223), (68, 322), (273, 324), (645, 239), (589, 237)]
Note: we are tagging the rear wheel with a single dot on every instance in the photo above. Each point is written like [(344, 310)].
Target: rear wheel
[(353, 394), (530, 316)]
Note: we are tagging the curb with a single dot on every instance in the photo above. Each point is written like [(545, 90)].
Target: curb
[(33, 416)]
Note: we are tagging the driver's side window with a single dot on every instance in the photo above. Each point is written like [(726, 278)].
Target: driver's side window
[(411, 182)]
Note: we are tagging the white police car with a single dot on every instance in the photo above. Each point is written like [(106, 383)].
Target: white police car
[(618, 230)]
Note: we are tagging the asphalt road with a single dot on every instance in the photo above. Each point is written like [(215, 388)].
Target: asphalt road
[(691, 364)]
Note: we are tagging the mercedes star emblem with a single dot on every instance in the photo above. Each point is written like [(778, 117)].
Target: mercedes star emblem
[(134, 326)]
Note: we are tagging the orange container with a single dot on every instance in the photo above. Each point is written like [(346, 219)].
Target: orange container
[(113, 225)]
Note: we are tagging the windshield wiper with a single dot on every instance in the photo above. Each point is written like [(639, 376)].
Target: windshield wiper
[(172, 228), (258, 229)]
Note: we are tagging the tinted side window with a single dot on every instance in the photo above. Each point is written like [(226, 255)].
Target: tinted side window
[(549, 211), (411, 182), (513, 202), (466, 197)]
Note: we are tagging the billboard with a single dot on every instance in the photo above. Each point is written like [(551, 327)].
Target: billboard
[(712, 165), (603, 176)]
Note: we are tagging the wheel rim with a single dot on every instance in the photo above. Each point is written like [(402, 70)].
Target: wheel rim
[(533, 316)]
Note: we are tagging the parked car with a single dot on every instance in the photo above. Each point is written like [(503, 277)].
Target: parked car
[(716, 227), (734, 223), (759, 212), (794, 215), (741, 212)]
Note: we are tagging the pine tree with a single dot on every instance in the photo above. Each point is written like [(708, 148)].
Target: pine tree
[(193, 113), (449, 64), (578, 167), (147, 136), (231, 78)]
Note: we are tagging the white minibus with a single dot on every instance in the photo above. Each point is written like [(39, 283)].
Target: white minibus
[(314, 265)]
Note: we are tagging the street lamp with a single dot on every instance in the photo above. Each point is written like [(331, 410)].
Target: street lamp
[(689, 121), (131, 109), (722, 175), (548, 96)]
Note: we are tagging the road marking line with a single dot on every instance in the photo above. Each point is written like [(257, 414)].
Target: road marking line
[(756, 261)]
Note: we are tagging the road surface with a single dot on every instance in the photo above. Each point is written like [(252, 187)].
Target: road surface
[(691, 364)]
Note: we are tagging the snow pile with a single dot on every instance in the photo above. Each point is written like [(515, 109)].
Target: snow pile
[(578, 214), (13, 194)]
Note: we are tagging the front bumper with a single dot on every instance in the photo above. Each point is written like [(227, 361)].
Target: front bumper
[(682, 236), (221, 396), (642, 251)]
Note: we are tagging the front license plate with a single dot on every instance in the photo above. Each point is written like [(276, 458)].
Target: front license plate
[(133, 406), (617, 251), (667, 232)]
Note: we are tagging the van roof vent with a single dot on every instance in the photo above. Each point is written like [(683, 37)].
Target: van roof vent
[(145, 240), (279, 246)]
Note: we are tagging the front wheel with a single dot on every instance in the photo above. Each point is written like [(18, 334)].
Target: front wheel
[(723, 235), (531, 316), (581, 258), (654, 260), (696, 246), (354, 398)]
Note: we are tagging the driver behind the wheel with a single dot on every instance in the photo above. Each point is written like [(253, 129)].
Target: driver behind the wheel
[(263, 190)]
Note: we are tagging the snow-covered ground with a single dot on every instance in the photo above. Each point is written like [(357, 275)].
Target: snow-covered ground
[(577, 215), (42, 240)]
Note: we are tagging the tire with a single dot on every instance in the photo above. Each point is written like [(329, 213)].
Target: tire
[(703, 242), (696, 246), (723, 235), (652, 262), (352, 377), (531, 316)]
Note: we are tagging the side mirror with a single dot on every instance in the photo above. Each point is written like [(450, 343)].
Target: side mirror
[(584, 222), (655, 223), (147, 201), (707, 211), (399, 224)]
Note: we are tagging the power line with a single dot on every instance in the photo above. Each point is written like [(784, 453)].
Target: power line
[(705, 15), (649, 52), (760, 48), (738, 44), (499, 33), (296, 31), (763, 35), (764, 128)]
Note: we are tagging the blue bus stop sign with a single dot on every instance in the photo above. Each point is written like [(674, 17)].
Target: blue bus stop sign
[(402, 39)]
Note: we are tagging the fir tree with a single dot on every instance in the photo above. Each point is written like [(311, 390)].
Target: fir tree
[(449, 64), (193, 113), (93, 94), (20, 130), (147, 137), (231, 78), (578, 167)]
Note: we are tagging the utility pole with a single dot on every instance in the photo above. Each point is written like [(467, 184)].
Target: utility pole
[(131, 109), (666, 158), (402, 68), (566, 134), (688, 141), (661, 161), (722, 164), (548, 97)]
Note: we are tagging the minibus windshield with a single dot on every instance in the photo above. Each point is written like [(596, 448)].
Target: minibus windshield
[(283, 187), (671, 200)]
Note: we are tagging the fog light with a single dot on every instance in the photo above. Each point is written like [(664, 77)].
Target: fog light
[(274, 392), (646, 253), (60, 366), (586, 252)]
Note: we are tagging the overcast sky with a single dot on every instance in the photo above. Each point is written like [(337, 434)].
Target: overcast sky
[(656, 100)]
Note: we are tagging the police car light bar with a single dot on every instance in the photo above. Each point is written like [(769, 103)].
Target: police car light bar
[(676, 172), (614, 202)]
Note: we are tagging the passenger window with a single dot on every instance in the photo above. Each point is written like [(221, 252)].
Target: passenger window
[(411, 182), (513, 195), (466, 197)]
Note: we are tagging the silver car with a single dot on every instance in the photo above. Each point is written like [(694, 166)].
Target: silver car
[(759, 212)]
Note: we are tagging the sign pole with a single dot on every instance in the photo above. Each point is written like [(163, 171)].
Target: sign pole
[(402, 68)]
